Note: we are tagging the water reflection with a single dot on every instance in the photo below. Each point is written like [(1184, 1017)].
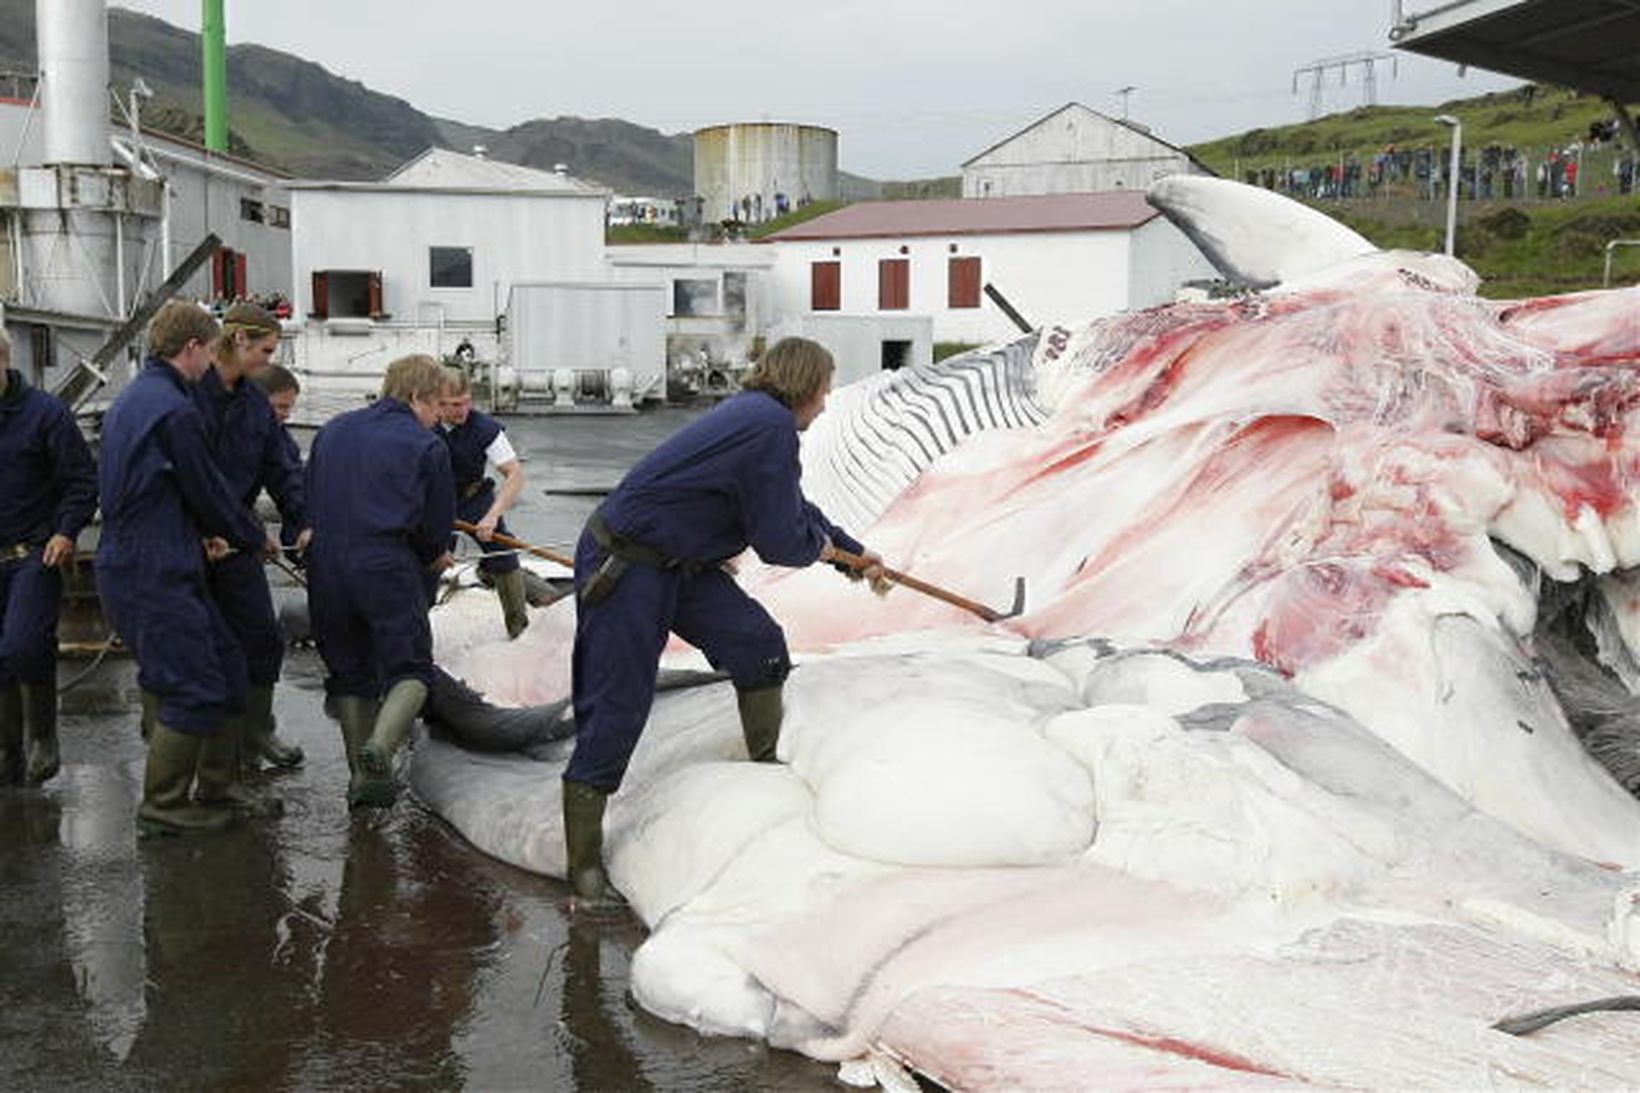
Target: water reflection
[(319, 950), (399, 972)]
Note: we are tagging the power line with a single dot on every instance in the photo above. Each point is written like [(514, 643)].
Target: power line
[(1367, 61)]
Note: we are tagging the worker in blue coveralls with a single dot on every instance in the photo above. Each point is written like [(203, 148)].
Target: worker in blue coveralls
[(283, 388), (381, 502), (652, 561), (249, 443), (48, 490), (162, 496), (477, 441)]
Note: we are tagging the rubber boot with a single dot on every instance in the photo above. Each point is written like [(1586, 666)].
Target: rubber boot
[(219, 769), (357, 717), (11, 735), (584, 846), (165, 810), (40, 731), (514, 601), (261, 738), (760, 712), (398, 713), (150, 713)]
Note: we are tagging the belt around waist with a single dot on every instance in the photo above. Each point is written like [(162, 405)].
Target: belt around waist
[(613, 542)]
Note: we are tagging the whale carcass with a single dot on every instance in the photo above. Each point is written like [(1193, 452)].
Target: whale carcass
[(1268, 785)]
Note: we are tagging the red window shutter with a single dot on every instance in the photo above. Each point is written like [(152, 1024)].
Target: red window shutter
[(826, 286), (321, 295), (219, 269), (376, 296), (893, 284), (964, 277), (241, 284)]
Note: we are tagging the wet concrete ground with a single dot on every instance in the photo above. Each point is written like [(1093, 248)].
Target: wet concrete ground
[(321, 950)]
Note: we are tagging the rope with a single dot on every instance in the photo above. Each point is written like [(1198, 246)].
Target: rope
[(96, 662)]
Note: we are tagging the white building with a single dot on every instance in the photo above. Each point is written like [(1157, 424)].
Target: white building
[(426, 260), (1074, 150), (1060, 259), (717, 305)]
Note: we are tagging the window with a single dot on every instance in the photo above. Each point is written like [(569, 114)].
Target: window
[(250, 209), (893, 284), (826, 286), (963, 286), (278, 216), (450, 267), (694, 296), (347, 294)]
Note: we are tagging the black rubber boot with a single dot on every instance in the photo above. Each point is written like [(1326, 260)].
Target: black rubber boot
[(514, 601), (403, 702), (165, 809), (760, 713), (40, 731), (261, 738), (219, 769), (584, 846), (11, 736)]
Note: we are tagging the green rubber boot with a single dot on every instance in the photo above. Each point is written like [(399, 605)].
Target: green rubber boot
[(165, 810), (219, 772), (584, 846), (398, 714), (11, 735), (150, 713), (262, 740), (357, 717), (40, 731), (760, 712), (514, 601)]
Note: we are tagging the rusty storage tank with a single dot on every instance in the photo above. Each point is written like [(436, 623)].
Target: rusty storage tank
[(755, 171)]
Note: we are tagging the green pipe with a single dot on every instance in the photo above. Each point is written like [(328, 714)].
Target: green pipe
[(214, 38)]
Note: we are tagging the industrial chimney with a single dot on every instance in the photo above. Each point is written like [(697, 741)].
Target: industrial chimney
[(73, 44), (77, 209)]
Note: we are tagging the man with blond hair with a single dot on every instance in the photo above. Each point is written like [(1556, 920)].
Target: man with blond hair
[(652, 562), (162, 495), (381, 502)]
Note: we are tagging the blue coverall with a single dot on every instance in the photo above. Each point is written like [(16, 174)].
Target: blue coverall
[(250, 448), (162, 493), (380, 502), (474, 492), (48, 486), (726, 481)]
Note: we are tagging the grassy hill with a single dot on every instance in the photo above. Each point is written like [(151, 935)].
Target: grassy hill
[(1532, 244)]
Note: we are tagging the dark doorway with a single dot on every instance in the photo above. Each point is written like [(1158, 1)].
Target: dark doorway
[(896, 355)]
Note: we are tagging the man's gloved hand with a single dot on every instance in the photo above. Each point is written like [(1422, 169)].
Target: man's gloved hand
[(872, 571)]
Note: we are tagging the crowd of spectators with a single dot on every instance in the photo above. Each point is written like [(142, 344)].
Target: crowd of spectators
[(1490, 172)]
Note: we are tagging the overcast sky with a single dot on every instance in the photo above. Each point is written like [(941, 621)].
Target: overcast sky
[(913, 87)]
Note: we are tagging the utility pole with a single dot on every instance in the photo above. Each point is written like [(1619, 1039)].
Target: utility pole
[(1366, 61), (1124, 92)]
